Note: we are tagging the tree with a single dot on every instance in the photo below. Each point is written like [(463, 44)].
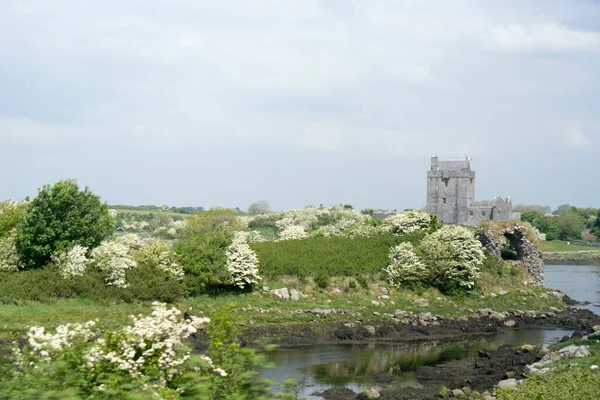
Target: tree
[(540, 209), (571, 226), (60, 217), (202, 248), (259, 207), (10, 214)]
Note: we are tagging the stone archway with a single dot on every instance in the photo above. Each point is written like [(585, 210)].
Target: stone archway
[(519, 246)]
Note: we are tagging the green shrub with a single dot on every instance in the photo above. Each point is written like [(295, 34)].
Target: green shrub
[(322, 280), (60, 217), (10, 215), (46, 285), (337, 256), (202, 249)]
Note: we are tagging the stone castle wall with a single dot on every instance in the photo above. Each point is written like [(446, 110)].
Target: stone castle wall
[(451, 194)]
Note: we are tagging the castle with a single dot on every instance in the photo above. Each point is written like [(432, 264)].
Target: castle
[(451, 195)]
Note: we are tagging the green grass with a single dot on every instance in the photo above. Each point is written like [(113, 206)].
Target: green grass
[(15, 320), (572, 379), (561, 246)]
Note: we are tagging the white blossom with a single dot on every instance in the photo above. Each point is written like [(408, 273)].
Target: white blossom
[(455, 255), (293, 232), (405, 268), (160, 255), (113, 258), (71, 263), (9, 256), (242, 262), (131, 241), (407, 222)]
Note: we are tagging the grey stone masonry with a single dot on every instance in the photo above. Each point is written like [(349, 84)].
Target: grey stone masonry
[(451, 195)]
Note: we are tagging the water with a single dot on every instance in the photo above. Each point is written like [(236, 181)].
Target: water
[(317, 368), (580, 282)]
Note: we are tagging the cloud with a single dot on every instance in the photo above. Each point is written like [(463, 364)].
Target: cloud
[(551, 37)]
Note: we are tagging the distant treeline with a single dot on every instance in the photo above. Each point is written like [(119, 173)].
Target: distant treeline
[(565, 223), (150, 207)]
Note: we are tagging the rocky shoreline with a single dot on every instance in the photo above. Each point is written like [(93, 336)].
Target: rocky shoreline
[(462, 377)]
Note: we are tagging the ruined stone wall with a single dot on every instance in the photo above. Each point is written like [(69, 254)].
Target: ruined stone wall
[(521, 240)]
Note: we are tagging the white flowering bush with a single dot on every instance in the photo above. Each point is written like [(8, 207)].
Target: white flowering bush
[(131, 240), (9, 256), (293, 232), (71, 263), (145, 359), (115, 259), (405, 268), (454, 255), (408, 222), (242, 262), (160, 255), (347, 228)]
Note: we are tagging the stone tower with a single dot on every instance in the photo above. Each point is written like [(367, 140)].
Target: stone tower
[(451, 195)]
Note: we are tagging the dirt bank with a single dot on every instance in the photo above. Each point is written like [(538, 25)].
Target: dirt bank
[(410, 329)]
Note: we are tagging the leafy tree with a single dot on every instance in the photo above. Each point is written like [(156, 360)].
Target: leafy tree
[(540, 209), (571, 226), (202, 249), (10, 214), (259, 207), (60, 217)]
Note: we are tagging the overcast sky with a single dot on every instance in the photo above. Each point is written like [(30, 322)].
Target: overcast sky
[(299, 102)]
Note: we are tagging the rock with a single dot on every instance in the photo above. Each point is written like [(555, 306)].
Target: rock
[(493, 294), (574, 351), (484, 312), (384, 290), (497, 315), (265, 289), (370, 329), (282, 293), (422, 302), (459, 394), (294, 295), (401, 313), (372, 393), (527, 348), (375, 302), (376, 313), (349, 324), (594, 367), (596, 328), (510, 323), (558, 295), (384, 296), (508, 384), (502, 292)]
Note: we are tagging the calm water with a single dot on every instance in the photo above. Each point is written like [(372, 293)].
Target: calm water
[(320, 367), (317, 368), (580, 282)]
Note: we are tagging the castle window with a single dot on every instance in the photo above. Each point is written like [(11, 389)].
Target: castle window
[(483, 213), (444, 200), (446, 182), (471, 212)]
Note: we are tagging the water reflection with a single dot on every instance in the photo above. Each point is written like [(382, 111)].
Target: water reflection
[(354, 366), (580, 282)]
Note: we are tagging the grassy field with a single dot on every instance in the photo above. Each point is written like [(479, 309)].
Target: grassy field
[(561, 246), (265, 308)]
